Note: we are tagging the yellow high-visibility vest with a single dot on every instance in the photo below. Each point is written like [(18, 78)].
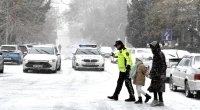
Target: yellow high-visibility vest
[(124, 59)]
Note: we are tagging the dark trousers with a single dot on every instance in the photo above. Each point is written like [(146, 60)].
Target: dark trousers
[(124, 76), (158, 94)]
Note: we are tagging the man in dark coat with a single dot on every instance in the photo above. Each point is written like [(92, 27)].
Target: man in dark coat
[(157, 74)]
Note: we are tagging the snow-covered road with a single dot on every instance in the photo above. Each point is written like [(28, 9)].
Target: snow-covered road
[(75, 90)]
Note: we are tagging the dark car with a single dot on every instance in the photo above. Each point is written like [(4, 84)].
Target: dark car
[(1, 63), (10, 53)]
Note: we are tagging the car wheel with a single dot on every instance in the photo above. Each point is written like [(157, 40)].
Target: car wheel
[(1, 71), (54, 71), (73, 65), (59, 68), (171, 84), (187, 90), (25, 71), (102, 69)]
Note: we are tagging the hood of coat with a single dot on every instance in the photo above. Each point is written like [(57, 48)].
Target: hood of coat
[(155, 47)]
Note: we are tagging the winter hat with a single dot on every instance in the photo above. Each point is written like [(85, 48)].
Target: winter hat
[(118, 42)]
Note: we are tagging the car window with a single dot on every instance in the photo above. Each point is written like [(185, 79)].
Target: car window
[(197, 61), (87, 52), (42, 50), (10, 48), (187, 62), (182, 62)]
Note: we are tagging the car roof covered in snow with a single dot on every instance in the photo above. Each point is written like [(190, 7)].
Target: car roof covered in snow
[(192, 55), (49, 45), (9, 45)]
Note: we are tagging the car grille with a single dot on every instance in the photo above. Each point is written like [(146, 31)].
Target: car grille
[(44, 64), (90, 65), (90, 60)]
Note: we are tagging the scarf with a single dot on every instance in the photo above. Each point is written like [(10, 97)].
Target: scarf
[(134, 70)]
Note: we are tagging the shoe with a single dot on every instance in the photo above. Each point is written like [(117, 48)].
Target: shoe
[(113, 97), (139, 100), (160, 103), (148, 97), (154, 103), (131, 99)]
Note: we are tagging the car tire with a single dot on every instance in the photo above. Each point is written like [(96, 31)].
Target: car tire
[(25, 70), (59, 68), (102, 69), (1, 71), (171, 84), (187, 90)]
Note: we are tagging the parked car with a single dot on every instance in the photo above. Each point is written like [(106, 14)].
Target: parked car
[(23, 49), (106, 51), (42, 57), (187, 75), (1, 63), (173, 57), (12, 54), (88, 58), (144, 53), (114, 59)]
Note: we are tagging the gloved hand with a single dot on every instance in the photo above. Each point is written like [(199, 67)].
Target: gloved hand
[(128, 67), (112, 54)]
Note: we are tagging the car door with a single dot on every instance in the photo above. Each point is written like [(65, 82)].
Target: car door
[(177, 72), (183, 71)]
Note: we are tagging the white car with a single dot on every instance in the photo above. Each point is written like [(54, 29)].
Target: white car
[(187, 75), (173, 56), (1, 63), (88, 58), (144, 53), (42, 57)]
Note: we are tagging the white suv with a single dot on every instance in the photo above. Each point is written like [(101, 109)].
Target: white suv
[(42, 57)]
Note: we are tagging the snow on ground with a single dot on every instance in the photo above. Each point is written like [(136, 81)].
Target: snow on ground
[(75, 90)]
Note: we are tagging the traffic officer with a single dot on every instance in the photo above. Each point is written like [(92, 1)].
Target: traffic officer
[(124, 64)]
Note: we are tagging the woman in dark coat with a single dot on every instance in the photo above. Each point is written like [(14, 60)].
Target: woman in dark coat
[(157, 74)]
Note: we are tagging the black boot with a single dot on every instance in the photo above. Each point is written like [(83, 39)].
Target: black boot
[(139, 100), (131, 99), (113, 97), (148, 97)]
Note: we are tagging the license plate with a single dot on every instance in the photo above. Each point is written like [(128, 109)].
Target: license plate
[(7, 58), (90, 63), (37, 66)]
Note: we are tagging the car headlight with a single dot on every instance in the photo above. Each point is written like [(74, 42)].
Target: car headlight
[(53, 60), (101, 60), (78, 60)]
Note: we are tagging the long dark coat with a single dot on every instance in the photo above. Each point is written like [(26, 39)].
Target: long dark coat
[(158, 71)]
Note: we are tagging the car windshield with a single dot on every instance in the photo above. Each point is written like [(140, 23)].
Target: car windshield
[(9, 48), (87, 52), (42, 50), (197, 61)]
